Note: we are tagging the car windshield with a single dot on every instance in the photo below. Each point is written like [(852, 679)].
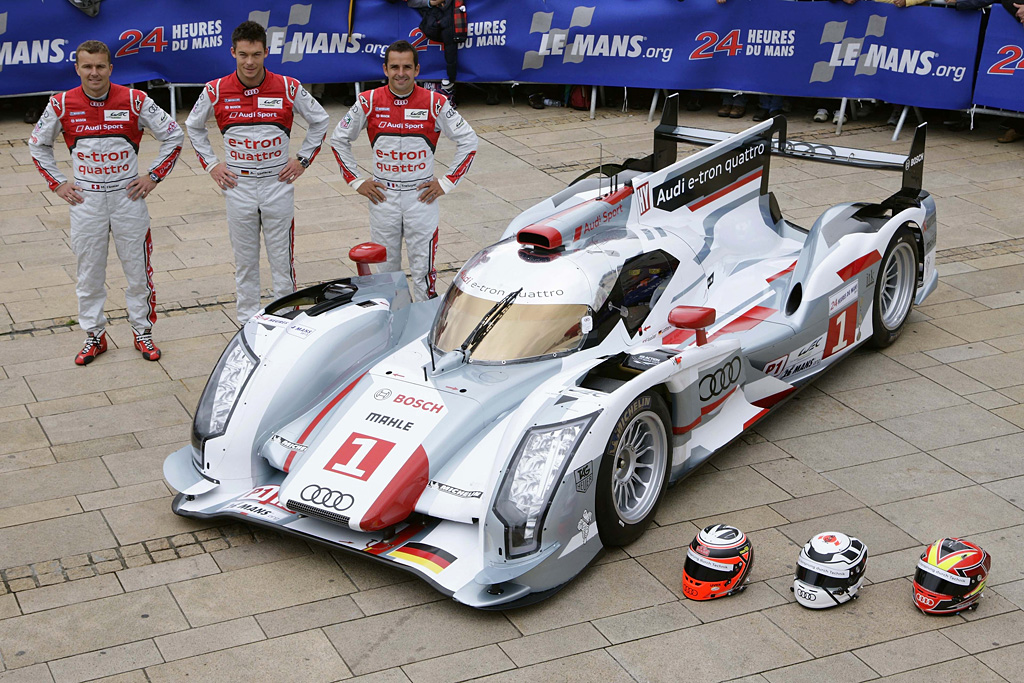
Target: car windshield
[(524, 330)]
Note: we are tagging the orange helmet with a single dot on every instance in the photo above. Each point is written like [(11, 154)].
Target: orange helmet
[(717, 563), (950, 576)]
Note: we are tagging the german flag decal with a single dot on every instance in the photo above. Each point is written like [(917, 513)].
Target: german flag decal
[(424, 555)]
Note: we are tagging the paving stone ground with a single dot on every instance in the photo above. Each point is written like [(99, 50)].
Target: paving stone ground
[(99, 580)]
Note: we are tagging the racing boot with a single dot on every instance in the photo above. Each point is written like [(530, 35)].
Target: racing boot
[(144, 343), (95, 344)]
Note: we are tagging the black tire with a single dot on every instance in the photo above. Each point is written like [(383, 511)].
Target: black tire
[(895, 289), (646, 424)]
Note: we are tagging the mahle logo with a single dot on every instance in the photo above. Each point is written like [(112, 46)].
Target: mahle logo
[(866, 61), (574, 48)]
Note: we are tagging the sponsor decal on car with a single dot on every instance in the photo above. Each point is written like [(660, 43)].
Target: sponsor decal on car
[(584, 476), (429, 557), (290, 445), (271, 320), (451, 490), (721, 380), (584, 524), (300, 331), (359, 456), (429, 406), (388, 421), (842, 298), (261, 502)]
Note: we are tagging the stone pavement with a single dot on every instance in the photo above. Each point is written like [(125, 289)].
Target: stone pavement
[(100, 579)]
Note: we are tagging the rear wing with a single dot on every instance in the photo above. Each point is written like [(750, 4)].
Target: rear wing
[(669, 133)]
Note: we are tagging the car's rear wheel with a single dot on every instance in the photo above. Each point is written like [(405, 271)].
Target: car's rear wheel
[(895, 288), (634, 470)]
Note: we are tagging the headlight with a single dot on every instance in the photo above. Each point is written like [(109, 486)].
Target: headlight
[(222, 390), (526, 491)]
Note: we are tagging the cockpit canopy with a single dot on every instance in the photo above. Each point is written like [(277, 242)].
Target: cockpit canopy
[(565, 300)]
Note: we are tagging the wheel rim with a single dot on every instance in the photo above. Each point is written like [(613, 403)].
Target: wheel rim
[(639, 468), (897, 286)]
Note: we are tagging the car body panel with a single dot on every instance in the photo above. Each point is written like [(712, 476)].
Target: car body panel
[(363, 423)]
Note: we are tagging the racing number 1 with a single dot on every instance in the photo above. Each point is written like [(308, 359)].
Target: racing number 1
[(842, 331), (359, 456)]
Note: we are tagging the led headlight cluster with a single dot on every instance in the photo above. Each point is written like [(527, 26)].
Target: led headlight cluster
[(529, 484), (233, 370)]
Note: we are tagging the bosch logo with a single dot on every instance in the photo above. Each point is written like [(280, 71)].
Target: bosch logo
[(925, 600), (328, 498), (717, 382), (429, 406), (383, 395)]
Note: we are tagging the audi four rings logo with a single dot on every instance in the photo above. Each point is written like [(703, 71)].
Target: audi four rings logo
[(382, 394), (715, 383), (328, 498), (925, 600)]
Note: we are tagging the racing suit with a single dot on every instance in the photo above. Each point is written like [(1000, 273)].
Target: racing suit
[(257, 124), (103, 137), (403, 135)]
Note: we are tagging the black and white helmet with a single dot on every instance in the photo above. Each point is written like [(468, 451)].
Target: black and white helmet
[(830, 570)]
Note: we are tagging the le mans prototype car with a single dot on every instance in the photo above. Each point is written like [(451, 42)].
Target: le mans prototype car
[(494, 440)]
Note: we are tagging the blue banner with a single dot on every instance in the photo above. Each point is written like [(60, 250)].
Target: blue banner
[(1000, 81), (923, 55)]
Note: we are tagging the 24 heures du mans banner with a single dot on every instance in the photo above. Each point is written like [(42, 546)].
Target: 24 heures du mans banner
[(921, 55)]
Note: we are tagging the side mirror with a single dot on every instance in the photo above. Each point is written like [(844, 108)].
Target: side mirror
[(693, 318), (366, 253)]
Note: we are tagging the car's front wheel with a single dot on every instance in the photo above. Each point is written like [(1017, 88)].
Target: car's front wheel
[(634, 470), (895, 288)]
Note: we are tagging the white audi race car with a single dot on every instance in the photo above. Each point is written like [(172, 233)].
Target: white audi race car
[(494, 440)]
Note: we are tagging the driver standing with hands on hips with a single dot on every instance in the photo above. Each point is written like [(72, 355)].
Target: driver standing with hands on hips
[(254, 109), (404, 122)]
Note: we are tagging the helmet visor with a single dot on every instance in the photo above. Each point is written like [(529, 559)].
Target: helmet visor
[(813, 578), (702, 569), (937, 584)]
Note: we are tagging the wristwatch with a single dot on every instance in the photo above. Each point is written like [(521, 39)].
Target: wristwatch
[(154, 177), (304, 162)]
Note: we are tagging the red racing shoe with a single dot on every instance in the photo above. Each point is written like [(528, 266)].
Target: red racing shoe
[(144, 343), (94, 346)]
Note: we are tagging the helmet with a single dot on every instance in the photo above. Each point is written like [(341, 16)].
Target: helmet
[(717, 563), (950, 576), (830, 570)]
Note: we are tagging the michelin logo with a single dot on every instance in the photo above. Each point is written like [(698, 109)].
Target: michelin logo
[(866, 61)]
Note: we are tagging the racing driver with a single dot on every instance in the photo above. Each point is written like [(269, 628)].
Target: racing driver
[(254, 109), (102, 126), (403, 122)]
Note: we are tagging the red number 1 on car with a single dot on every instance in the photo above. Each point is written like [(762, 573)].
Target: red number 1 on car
[(842, 330)]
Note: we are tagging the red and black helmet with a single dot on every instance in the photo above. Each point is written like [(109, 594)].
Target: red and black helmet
[(718, 562), (950, 576)]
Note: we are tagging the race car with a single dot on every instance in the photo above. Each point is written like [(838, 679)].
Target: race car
[(494, 440)]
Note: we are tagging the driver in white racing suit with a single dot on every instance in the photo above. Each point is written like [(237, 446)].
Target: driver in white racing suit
[(254, 110), (404, 122), (102, 125)]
